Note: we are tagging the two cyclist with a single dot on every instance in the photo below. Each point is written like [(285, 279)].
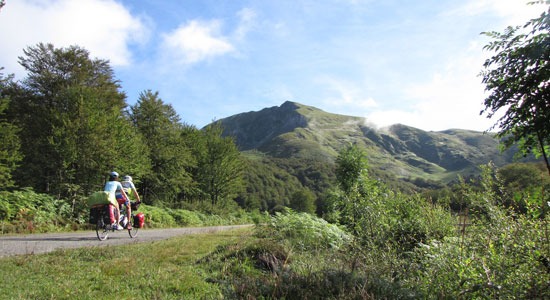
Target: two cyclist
[(121, 191)]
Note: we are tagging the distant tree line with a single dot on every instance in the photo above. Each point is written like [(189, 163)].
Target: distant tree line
[(67, 124)]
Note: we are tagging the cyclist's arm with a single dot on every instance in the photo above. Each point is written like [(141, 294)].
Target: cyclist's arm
[(137, 196)]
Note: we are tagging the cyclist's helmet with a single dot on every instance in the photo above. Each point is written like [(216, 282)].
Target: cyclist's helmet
[(127, 178), (114, 174)]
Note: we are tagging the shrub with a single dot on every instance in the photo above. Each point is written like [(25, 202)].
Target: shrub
[(304, 231), (156, 216), (501, 255), (28, 211), (185, 217)]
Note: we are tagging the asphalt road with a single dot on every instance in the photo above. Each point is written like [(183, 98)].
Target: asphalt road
[(41, 243)]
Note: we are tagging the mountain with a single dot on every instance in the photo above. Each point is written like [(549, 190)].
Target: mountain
[(296, 131)]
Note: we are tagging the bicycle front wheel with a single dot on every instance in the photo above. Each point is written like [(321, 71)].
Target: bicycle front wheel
[(133, 232)]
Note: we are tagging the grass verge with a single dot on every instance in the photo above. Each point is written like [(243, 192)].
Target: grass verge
[(168, 269)]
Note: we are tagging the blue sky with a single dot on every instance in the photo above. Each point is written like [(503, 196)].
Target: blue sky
[(409, 62)]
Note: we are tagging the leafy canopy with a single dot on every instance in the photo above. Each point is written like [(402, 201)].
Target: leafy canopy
[(518, 78), (71, 114), (10, 153)]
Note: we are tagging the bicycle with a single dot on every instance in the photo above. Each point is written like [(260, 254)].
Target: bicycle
[(101, 216)]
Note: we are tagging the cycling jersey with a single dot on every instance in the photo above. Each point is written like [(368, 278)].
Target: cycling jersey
[(113, 187)]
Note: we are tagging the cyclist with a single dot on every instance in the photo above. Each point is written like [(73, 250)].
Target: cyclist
[(129, 188), (115, 188)]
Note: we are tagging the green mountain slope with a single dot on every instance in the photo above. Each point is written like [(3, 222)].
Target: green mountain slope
[(296, 131)]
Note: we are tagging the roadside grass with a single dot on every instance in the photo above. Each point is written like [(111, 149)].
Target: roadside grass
[(170, 269)]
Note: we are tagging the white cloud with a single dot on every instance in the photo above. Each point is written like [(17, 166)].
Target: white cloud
[(347, 97), (513, 12), (246, 23), (195, 41), (104, 27), (453, 98)]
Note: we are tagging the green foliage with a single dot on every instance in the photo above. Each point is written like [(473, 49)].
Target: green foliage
[(170, 157), (303, 201), (351, 162), (69, 110), (10, 153), (519, 181), (516, 77), (304, 231), (159, 217), (27, 211), (517, 177), (500, 255), (219, 171), (184, 217), (377, 216), (271, 182)]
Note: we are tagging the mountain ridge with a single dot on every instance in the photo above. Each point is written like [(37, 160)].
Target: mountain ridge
[(294, 130)]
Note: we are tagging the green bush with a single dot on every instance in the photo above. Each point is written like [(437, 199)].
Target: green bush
[(501, 254), (504, 260), (185, 217), (156, 216), (27, 211), (304, 231)]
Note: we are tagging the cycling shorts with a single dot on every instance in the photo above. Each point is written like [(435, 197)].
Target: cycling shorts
[(120, 199)]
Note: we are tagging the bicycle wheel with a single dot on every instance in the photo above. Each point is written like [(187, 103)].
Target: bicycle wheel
[(133, 232), (101, 230)]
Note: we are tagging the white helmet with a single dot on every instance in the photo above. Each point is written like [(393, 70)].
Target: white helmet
[(127, 178)]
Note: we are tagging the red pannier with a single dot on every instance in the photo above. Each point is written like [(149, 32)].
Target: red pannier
[(107, 212), (139, 220)]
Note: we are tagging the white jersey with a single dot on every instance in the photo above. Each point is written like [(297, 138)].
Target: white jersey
[(128, 187)]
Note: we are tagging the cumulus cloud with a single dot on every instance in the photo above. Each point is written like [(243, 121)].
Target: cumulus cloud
[(104, 27), (195, 41)]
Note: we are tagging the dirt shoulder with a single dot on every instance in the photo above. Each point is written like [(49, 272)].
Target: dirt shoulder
[(41, 243)]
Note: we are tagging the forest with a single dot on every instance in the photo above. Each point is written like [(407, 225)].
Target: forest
[(67, 125)]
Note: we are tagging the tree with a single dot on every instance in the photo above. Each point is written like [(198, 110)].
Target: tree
[(10, 147), (353, 180), (71, 115), (518, 78), (220, 168), (160, 127), (303, 201), (351, 162)]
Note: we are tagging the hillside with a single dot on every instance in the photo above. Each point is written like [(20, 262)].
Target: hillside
[(297, 131)]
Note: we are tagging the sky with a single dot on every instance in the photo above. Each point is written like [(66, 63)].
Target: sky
[(410, 62)]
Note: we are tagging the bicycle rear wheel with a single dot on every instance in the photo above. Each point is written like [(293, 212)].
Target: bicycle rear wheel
[(133, 232), (101, 230)]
